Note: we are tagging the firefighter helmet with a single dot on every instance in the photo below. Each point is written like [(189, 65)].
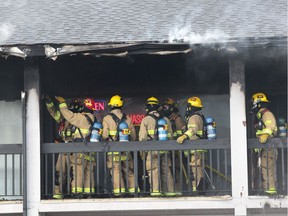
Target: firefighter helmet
[(89, 104), (116, 101), (170, 101), (169, 106), (76, 106), (194, 102), (152, 104), (259, 97), (152, 101)]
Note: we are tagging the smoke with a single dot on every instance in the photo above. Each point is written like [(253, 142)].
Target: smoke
[(186, 35), (13, 3), (6, 31), (15, 9)]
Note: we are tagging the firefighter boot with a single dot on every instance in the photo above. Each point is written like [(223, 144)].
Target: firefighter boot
[(57, 193), (271, 191)]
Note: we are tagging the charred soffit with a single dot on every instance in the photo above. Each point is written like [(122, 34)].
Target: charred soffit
[(123, 49)]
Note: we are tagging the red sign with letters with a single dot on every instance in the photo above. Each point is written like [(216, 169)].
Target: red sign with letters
[(136, 118)]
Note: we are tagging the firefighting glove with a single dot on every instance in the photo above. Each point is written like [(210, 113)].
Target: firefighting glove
[(181, 139), (48, 99), (256, 150), (60, 99), (263, 138)]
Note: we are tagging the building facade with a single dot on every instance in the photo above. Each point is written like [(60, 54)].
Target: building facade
[(221, 51)]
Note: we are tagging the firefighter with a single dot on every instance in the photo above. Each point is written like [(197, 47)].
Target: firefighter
[(195, 130), (150, 130), (117, 126), (169, 108), (83, 180), (64, 135), (266, 128)]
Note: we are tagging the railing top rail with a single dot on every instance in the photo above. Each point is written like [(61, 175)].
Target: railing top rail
[(222, 143), (10, 148), (135, 146), (274, 142)]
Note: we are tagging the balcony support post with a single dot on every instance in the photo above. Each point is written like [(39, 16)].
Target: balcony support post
[(238, 133), (31, 181)]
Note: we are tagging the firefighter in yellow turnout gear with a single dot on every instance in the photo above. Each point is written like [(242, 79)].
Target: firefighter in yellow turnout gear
[(195, 125), (64, 135), (83, 180), (265, 128), (148, 131), (169, 108), (117, 161)]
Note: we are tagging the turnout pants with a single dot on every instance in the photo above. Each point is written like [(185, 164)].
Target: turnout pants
[(197, 166), (268, 164), (61, 169), (121, 170), (160, 176), (82, 169)]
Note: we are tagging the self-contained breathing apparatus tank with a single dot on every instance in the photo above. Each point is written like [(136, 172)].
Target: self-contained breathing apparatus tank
[(211, 128), (162, 129), (96, 132), (282, 127), (123, 132)]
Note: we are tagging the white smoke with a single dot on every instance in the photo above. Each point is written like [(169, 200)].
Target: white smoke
[(6, 31), (186, 35), (14, 3)]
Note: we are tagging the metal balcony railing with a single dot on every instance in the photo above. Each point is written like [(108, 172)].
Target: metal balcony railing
[(11, 171), (216, 168), (257, 167)]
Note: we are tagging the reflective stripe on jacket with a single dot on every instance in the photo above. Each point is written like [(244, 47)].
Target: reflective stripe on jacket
[(270, 126), (148, 128)]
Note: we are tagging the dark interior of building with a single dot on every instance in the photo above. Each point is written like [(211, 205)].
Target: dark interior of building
[(204, 71)]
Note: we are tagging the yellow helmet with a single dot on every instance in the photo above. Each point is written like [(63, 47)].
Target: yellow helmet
[(195, 102), (259, 97), (152, 101), (116, 101)]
